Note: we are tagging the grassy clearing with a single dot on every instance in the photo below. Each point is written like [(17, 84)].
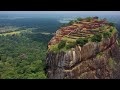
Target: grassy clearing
[(68, 39), (45, 33), (15, 32), (10, 33)]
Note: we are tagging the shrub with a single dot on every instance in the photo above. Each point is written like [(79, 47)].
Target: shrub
[(111, 24), (112, 63), (75, 20), (79, 19), (96, 38), (67, 24), (89, 19), (63, 25), (71, 22), (70, 45), (106, 34), (81, 41), (111, 30), (102, 28), (61, 44)]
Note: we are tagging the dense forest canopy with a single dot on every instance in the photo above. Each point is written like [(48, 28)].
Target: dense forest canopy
[(23, 50), (23, 55)]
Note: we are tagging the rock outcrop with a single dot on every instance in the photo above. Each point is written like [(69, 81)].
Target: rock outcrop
[(94, 60)]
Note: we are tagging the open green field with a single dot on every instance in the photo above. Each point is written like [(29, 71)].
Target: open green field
[(11, 33), (8, 29)]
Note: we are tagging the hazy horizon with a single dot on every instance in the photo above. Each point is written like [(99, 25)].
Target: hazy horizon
[(63, 12)]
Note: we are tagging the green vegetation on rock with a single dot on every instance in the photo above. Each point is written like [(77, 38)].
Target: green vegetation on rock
[(107, 34), (98, 32), (61, 44), (111, 24), (99, 55), (112, 63), (79, 19), (89, 19), (71, 45), (96, 38), (82, 41), (111, 30)]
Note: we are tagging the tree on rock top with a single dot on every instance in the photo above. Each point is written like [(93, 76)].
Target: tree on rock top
[(96, 38), (61, 44)]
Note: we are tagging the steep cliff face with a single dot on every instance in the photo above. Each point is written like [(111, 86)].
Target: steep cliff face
[(94, 60)]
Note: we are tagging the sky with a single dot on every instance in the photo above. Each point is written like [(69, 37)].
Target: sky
[(63, 12)]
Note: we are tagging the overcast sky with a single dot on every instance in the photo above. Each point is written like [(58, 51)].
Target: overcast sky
[(63, 12)]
